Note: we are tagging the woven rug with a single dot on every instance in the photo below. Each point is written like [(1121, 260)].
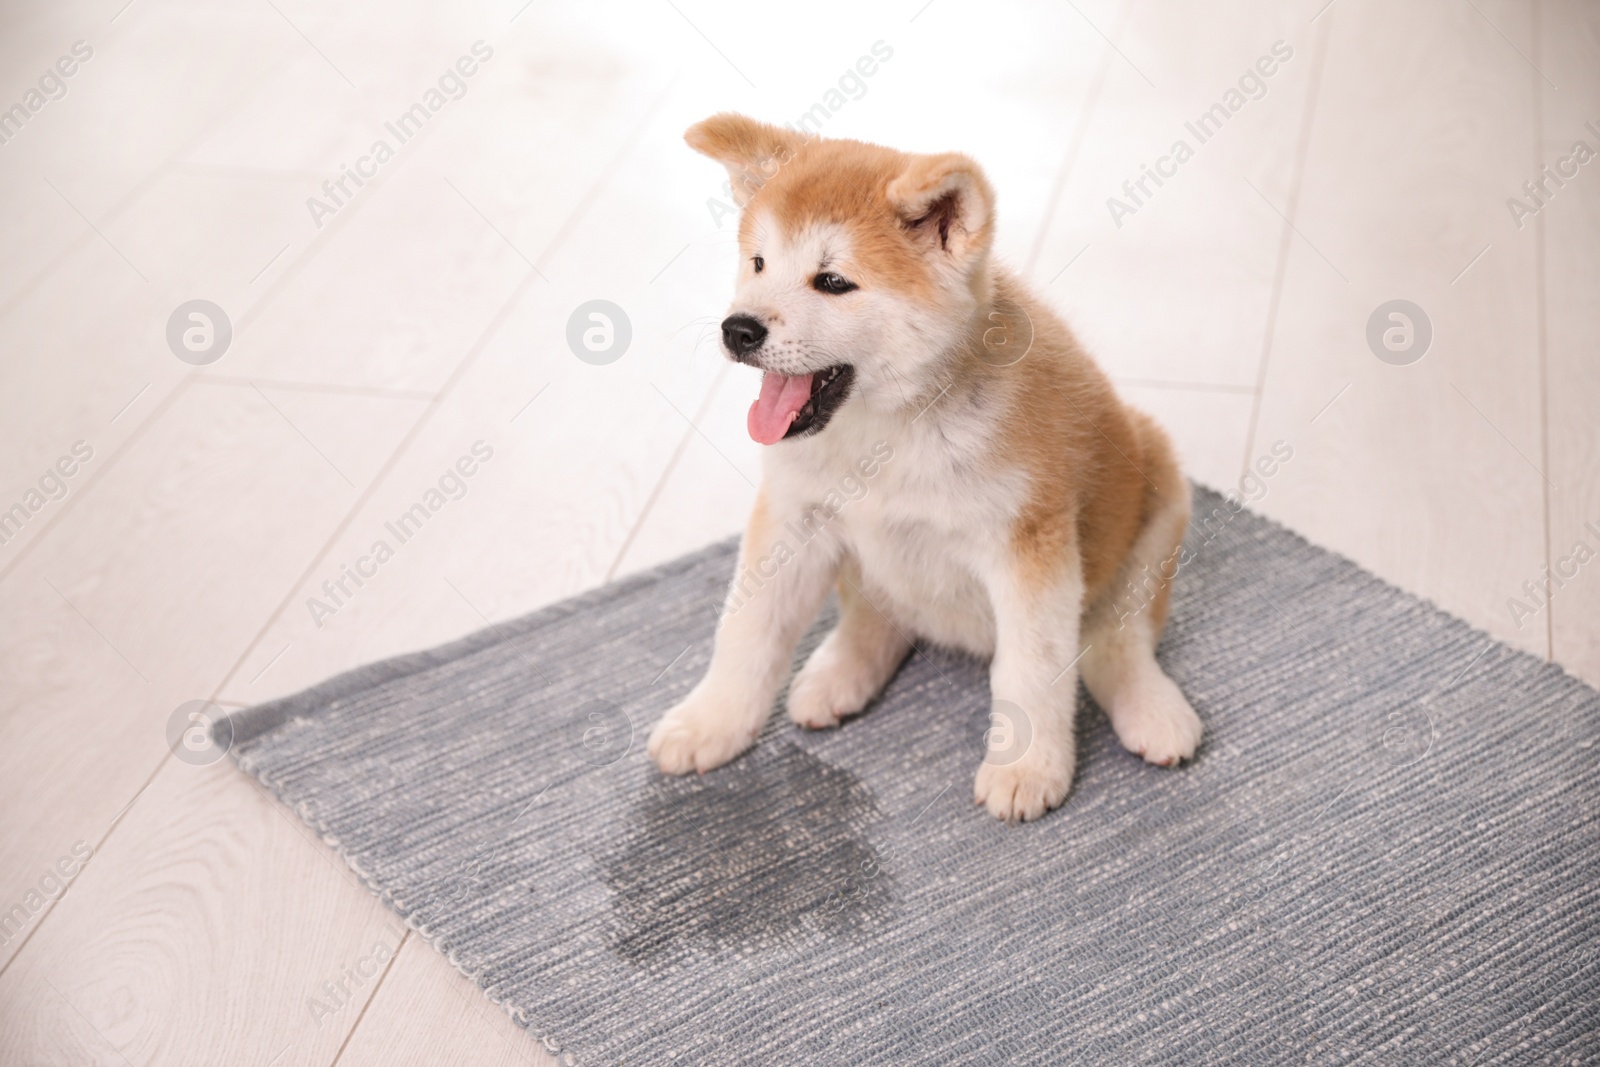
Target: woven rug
[(1387, 850)]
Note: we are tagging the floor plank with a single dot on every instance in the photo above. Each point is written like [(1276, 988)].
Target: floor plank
[(1426, 472), (144, 595), (95, 149), (1180, 288), (204, 931), (1569, 229), (430, 1013)]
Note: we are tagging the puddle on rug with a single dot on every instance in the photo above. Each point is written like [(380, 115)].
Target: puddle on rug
[(773, 847)]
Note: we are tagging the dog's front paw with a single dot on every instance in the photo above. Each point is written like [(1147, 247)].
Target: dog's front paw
[(1156, 722), (705, 731), (1026, 789)]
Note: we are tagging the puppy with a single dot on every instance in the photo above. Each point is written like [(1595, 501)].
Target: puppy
[(1009, 504)]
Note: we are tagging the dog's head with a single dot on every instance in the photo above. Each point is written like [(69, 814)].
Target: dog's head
[(860, 268)]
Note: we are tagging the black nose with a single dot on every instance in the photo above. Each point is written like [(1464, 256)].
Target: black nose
[(742, 334)]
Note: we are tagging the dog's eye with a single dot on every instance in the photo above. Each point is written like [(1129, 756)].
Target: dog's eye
[(759, 263), (829, 282)]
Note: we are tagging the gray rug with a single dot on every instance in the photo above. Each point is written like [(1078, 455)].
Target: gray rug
[(1385, 852)]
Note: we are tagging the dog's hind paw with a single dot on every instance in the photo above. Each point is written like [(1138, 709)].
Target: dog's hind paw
[(1155, 722), (831, 688)]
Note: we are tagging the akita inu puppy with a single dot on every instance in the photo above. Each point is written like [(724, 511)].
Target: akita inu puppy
[(1026, 515)]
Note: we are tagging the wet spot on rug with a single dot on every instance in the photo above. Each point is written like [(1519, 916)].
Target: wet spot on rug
[(773, 847)]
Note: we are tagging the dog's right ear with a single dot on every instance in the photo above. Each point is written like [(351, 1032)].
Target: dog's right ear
[(752, 151)]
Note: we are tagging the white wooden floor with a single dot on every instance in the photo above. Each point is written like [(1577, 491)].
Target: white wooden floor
[(429, 313)]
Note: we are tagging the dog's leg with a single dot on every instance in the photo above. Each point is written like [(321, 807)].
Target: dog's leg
[(1149, 713), (777, 589), (1031, 749), (853, 662)]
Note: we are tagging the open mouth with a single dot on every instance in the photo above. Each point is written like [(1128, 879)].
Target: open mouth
[(793, 405)]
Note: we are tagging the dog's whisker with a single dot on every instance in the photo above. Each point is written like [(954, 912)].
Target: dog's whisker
[(700, 322)]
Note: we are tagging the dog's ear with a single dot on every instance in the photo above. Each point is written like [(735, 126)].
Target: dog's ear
[(946, 203), (752, 151)]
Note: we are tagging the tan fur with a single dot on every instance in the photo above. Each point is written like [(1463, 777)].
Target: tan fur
[(1024, 510)]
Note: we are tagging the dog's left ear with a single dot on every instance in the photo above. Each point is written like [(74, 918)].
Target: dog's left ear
[(946, 203)]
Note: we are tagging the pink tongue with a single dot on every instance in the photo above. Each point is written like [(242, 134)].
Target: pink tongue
[(781, 399)]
